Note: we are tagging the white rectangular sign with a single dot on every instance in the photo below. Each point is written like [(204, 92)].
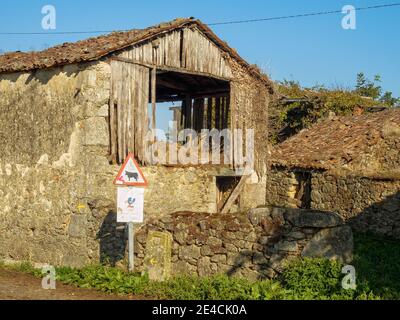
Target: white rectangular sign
[(130, 204)]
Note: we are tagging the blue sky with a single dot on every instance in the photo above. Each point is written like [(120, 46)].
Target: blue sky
[(312, 50)]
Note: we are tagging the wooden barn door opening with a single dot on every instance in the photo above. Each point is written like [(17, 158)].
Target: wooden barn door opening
[(198, 102), (129, 122), (204, 104)]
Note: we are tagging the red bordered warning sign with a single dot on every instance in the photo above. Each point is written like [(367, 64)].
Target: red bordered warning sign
[(130, 174)]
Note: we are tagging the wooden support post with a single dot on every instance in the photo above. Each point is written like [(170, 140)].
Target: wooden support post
[(153, 98), (189, 118), (183, 115), (235, 193), (209, 113)]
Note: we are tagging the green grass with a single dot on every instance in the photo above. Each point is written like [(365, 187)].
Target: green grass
[(376, 262)]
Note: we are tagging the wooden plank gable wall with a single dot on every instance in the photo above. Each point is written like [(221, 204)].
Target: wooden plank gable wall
[(188, 49)]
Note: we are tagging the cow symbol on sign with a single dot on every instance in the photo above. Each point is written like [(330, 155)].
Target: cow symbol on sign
[(133, 175)]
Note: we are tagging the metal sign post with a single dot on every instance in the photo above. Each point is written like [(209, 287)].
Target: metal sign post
[(131, 246)]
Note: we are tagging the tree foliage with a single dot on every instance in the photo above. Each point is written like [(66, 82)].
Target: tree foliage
[(368, 88)]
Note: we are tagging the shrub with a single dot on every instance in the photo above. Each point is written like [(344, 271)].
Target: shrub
[(313, 276)]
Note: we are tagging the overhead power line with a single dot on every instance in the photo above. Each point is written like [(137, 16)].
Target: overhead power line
[(216, 23), (303, 15)]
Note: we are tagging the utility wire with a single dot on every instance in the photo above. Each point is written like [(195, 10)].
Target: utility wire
[(304, 15), (215, 23)]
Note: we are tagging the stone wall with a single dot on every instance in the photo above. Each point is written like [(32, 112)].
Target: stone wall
[(67, 216), (253, 245), (53, 163), (57, 200), (369, 204), (281, 188), (54, 112)]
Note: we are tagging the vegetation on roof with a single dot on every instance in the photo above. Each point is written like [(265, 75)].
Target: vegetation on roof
[(297, 107)]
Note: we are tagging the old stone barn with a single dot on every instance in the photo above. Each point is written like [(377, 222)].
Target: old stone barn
[(70, 115), (349, 165)]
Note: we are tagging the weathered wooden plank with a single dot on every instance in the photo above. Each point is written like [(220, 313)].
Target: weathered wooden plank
[(183, 114), (124, 106), (119, 111), (209, 113), (134, 84), (189, 117), (130, 116), (112, 112), (194, 51), (234, 195), (226, 114), (144, 114), (198, 114), (201, 114), (153, 98), (218, 113), (139, 111)]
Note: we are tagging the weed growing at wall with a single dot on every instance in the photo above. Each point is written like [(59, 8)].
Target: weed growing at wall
[(376, 262)]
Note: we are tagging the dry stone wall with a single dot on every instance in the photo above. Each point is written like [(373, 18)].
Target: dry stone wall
[(281, 188), (368, 204), (253, 246)]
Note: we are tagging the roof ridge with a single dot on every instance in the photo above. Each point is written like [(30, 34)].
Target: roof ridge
[(95, 48)]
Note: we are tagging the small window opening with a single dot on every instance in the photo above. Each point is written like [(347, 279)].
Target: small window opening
[(303, 194)]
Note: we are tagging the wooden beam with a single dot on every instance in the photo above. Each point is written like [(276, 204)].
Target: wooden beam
[(172, 69), (163, 96), (234, 195), (173, 85), (169, 98)]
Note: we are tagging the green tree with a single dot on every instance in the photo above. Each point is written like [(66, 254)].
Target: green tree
[(388, 99), (368, 88)]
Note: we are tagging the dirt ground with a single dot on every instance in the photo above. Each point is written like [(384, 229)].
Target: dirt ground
[(20, 286)]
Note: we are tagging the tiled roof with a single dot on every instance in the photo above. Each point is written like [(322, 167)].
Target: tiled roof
[(98, 47), (340, 142)]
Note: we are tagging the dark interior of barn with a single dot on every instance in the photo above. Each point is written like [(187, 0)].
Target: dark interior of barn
[(204, 100)]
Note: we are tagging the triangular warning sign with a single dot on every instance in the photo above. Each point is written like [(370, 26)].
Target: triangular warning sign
[(130, 174)]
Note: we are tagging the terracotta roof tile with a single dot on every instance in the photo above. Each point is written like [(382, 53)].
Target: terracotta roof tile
[(337, 142), (98, 47)]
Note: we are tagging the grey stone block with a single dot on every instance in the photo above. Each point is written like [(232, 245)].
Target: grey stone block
[(286, 246), (313, 218), (333, 243)]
